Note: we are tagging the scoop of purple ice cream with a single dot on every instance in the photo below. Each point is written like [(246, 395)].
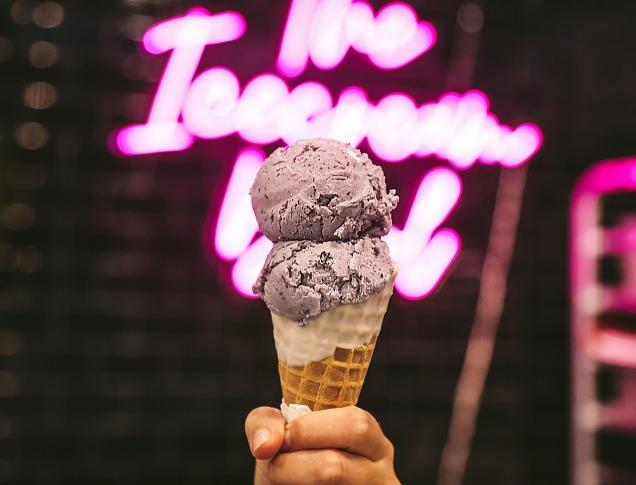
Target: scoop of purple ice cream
[(301, 279), (321, 190)]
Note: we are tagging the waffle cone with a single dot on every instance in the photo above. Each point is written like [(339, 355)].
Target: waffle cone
[(348, 333)]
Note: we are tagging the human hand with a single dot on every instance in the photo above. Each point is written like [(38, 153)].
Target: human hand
[(335, 446)]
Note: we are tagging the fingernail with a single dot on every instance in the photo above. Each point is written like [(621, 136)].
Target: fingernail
[(260, 437)]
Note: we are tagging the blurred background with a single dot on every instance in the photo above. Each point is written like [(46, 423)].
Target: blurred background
[(127, 355)]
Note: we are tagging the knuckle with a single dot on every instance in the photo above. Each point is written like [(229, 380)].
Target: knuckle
[(275, 468), (331, 468), (296, 430), (351, 412), (361, 425), (278, 469), (296, 426), (390, 449)]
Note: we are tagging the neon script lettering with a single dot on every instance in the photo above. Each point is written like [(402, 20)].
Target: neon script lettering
[(325, 30), (458, 128), (213, 104)]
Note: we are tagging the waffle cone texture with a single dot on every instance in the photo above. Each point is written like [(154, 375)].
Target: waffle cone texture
[(340, 344)]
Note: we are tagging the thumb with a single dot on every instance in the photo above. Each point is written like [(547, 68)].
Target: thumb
[(265, 431)]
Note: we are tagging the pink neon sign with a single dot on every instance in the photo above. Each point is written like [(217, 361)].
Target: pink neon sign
[(324, 30), (458, 128), (213, 104), (186, 37), (588, 241)]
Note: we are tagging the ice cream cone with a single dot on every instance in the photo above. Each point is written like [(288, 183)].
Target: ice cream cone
[(323, 364), (327, 279)]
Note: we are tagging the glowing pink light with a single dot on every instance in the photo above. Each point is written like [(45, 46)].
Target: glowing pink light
[(423, 254), (614, 347), (393, 124), (248, 266), (395, 24), (522, 144), (186, 36), (302, 108), (359, 23), (602, 178), (607, 176), (327, 42), (195, 28), (436, 197), (497, 146), (294, 52), (398, 37), (236, 224), (590, 298), (491, 134), (324, 30), (348, 121), (469, 127), (421, 276), (153, 138), (457, 128), (434, 125), (621, 239), (260, 108), (208, 111)]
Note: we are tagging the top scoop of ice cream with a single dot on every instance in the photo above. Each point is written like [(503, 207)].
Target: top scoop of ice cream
[(321, 190), (301, 279)]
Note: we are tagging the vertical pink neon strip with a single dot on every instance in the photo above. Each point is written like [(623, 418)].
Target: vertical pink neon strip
[(248, 266), (585, 238), (327, 43), (436, 197), (294, 48), (587, 300), (236, 224), (188, 39), (422, 275), (174, 84), (424, 255)]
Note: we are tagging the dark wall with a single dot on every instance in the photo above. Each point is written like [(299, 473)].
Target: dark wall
[(125, 356)]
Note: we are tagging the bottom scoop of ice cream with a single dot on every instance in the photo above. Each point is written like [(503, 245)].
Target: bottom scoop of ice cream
[(301, 279)]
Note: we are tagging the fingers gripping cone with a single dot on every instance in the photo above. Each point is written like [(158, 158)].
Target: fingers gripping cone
[(323, 364)]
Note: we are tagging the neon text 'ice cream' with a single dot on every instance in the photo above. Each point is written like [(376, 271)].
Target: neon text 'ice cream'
[(458, 128), (213, 104)]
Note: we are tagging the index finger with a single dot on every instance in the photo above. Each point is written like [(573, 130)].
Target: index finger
[(349, 428)]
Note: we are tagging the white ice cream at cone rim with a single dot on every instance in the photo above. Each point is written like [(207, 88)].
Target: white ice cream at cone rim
[(293, 411), (345, 326), (351, 326)]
